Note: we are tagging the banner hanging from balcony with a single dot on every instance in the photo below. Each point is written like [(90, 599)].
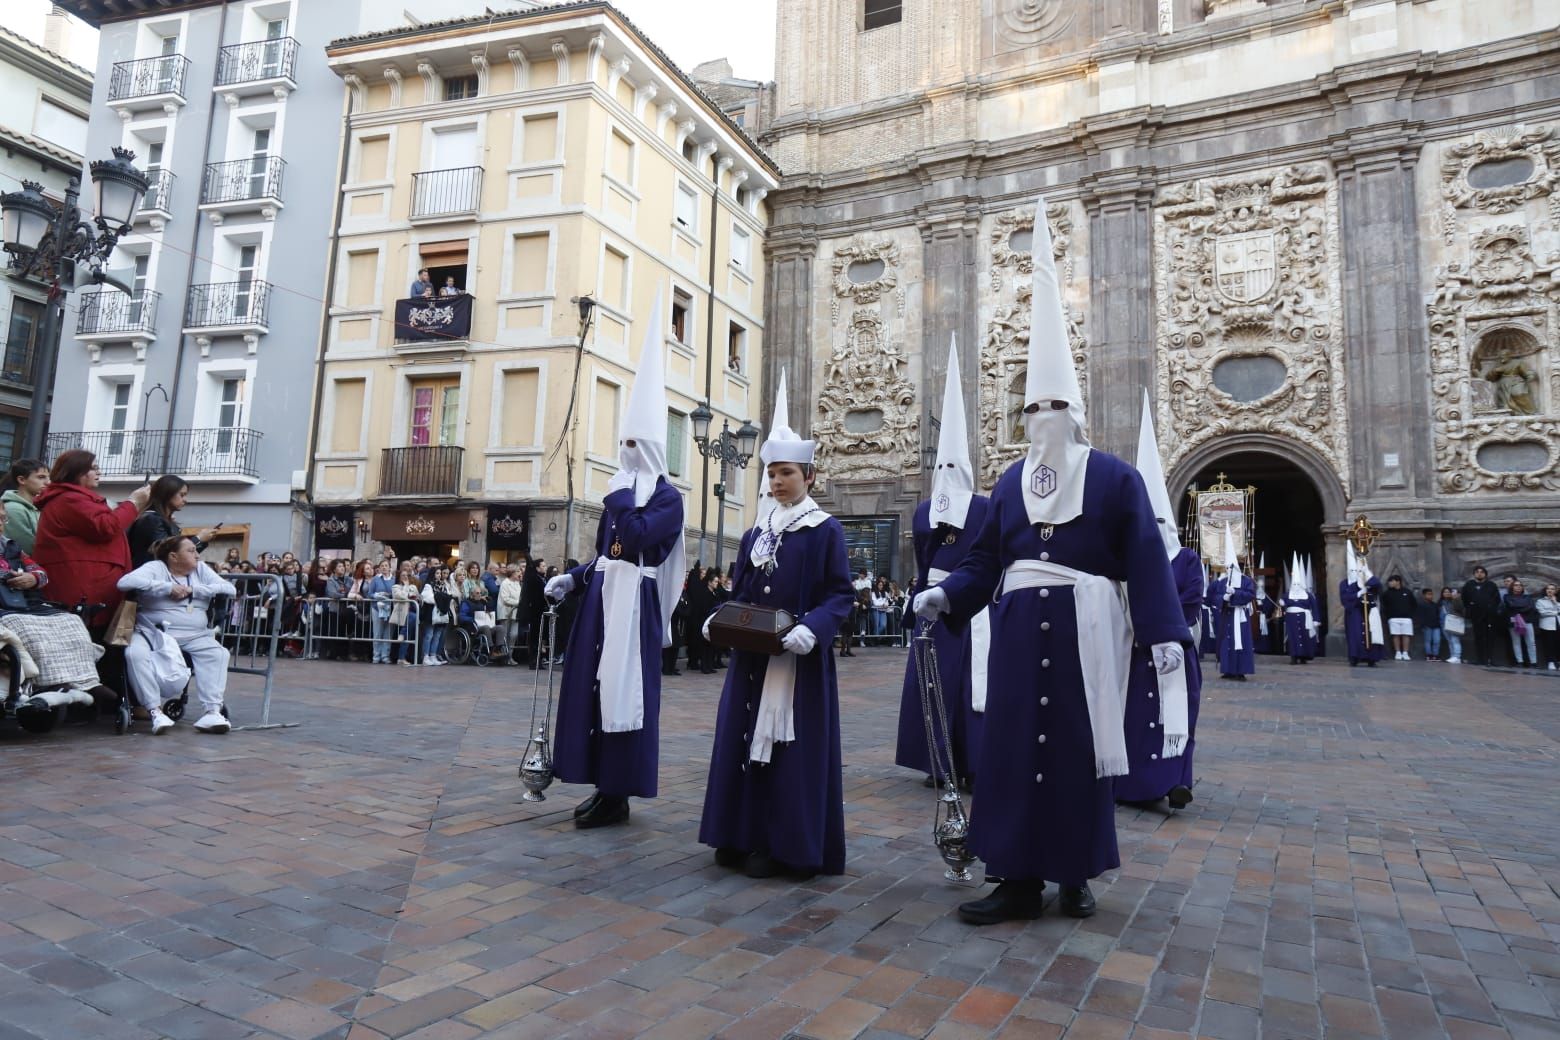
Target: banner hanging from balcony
[(334, 527), (443, 318), (509, 527)]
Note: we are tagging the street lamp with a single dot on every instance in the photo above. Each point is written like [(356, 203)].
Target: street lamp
[(48, 243), (730, 450)]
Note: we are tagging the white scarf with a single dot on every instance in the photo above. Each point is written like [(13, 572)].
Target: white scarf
[(1055, 467), (775, 722)]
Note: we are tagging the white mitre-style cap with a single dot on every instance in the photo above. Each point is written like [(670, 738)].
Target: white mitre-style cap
[(1050, 375), (783, 444), (1153, 471), (953, 481)]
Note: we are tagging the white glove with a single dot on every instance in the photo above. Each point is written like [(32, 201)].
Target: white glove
[(932, 603), (1167, 657), (799, 640), (1229, 595), (706, 628), (559, 587), (623, 478)]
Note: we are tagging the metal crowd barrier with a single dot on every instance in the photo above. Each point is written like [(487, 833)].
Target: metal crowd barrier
[(249, 625), (346, 628)]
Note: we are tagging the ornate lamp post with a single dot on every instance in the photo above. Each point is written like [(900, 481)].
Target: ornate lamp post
[(48, 244), (730, 450)]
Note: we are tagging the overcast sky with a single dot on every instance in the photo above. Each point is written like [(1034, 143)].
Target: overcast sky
[(691, 31)]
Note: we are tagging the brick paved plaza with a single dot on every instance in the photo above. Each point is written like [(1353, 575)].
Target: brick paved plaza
[(1370, 854)]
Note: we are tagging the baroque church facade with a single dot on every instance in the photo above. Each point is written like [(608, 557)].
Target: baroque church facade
[(1323, 234)]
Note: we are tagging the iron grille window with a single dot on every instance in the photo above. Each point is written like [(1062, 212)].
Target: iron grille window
[(878, 13), (459, 88)]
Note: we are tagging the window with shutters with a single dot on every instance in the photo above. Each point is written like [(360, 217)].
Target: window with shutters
[(676, 443)]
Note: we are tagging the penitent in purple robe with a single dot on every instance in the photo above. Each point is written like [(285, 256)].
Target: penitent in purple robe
[(1041, 811), (1234, 661), (934, 550), (1301, 643), (1152, 774), (793, 807), (1360, 649), (622, 764)]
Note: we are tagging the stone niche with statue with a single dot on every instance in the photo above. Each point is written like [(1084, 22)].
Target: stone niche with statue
[(1493, 335), (868, 423), (1248, 312)]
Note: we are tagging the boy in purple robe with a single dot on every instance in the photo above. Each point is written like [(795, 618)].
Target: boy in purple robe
[(775, 801), (1067, 527), (609, 703), (1160, 770), (945, 528)]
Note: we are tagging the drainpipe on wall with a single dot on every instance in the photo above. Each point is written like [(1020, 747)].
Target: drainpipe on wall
[(189, 273), (709, 367)]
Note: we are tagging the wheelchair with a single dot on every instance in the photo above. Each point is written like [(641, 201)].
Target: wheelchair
[(465, 643), (27, 706)]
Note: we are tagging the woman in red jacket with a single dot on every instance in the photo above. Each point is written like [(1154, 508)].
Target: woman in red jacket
[(81, 541)]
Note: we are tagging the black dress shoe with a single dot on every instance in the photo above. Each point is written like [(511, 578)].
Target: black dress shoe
[(733, 859), (763, 865), (1077, 901), (929, 782), (1011, 901), (1180, 796), (609, 810), (587, 805)]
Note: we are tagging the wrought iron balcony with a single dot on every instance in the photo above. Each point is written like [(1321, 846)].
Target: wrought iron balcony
[(426, 471), (216, 305), (217, 452), (159, 192), (236, 184), (446, 193), (257, 62), (109, 314), (161, 77)]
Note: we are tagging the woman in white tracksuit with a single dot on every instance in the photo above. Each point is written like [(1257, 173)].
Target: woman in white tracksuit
[(174, 590)]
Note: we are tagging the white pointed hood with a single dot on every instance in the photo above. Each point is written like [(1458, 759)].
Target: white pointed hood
[(1310, 577), (644, 422), (1058, 447), (1153, 471), (1297, 586), (1231, 560), (1352, 563), (953, 481)]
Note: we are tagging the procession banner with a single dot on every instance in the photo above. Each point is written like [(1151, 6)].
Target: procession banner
[(1217, 510)]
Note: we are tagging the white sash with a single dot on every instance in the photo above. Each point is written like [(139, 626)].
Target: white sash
[(776, 720), (980, 646), (619, 672), (1310, 624), (1174, 712), (1104, 651)]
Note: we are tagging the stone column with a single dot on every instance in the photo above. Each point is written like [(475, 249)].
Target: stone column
[(1386, 360), (787, 341), (950, 306), (1120, 320)]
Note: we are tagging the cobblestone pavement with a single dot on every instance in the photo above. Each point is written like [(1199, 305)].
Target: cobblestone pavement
[(1370, 854)]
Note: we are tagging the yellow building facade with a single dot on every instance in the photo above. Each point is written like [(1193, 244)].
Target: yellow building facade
[(529, 160)]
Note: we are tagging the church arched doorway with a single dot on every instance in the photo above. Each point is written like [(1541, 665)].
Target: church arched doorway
[(1296, 506)]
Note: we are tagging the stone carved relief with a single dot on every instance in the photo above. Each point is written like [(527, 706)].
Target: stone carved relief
[(1495, 364), (1521, 163), (868, 425), (1246, 273), (1004, 354), (1025, 22)]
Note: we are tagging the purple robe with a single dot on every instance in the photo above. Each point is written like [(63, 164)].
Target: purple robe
[(793, 807), (1232, 661), (1152, 774), (1302, 644), (622, 764), (1354, 619), (953, 652), (1041, 812)]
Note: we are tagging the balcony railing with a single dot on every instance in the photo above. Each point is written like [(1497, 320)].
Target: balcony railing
[(159, 192), (110, 311), (426, 471), (243, 180), (220, 452), (260, 60), (445, 193), (217, 304), (148, 77)]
